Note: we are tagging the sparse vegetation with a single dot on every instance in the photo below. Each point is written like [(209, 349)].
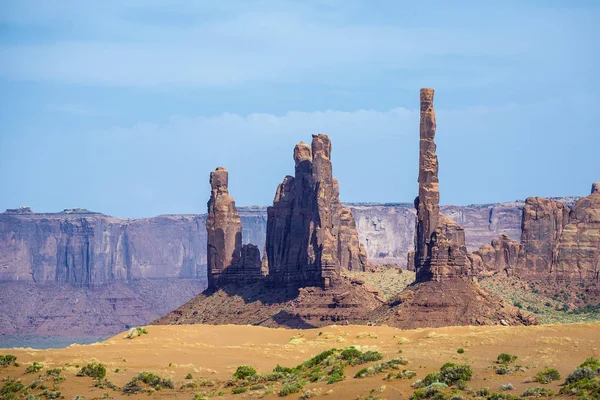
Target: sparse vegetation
[(239, 390), (33, 368), (290, 388), (152, 380), (93, 370), (537, 391), (188, 376), (549, 307), (460, 351), (584, 381), (10, 388), (53, 371), (7, 360)]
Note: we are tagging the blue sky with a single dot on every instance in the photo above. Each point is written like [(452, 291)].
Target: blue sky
[(125, 107)]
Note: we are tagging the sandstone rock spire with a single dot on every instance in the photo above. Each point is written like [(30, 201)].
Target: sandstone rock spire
[(440, 249), (310, 235), (228, 262), (223, 228)]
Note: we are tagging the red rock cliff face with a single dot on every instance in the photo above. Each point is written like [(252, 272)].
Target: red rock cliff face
[(440, 250), (228, 262), (310, 235), (578, 250), (542, 225)]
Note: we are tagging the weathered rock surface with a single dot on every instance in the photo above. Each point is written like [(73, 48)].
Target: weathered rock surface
[(92, 249), (578, 249), (310, 235), (502, 255), (444, 293), (228, 262), (542, 225), (440, 248), (347, 302)]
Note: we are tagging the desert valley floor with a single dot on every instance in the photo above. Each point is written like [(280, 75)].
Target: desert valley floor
[(211, 355)]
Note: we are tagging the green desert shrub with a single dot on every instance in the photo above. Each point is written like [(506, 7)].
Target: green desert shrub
[(135, 332), (336, 374), (33, 368), (483, 392), (150, 379), (505, 358), (244, 371), (356, 357), (51, 394), (283, 370), (290, 388), (502, 396), (188, 376), (584, 381), (506, 387), (93, 370), (53, 371), (239, 390), (504, 370), (452, 373), (537, 391), (460, 351), (10, 387), (592, 363), (548, 375), (579, 374), (319, 358), (7, 360)]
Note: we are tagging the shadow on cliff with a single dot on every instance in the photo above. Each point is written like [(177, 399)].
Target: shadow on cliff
[(289, 320), (262, 292)]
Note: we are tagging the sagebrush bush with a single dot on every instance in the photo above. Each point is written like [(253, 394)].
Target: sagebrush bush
[(505, 358), (34, 367), (244, 371), (290, 388), (7, 360), (537, 391), (93, 370), (548, 375)]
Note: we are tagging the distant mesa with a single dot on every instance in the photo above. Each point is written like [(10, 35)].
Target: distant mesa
[(20, 210)]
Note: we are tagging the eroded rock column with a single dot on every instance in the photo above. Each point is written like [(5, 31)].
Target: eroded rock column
[(223, 228)]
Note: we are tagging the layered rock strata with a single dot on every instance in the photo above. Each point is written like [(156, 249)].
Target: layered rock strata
[(444, 292), (310, 235), (228, 262), (440, 249), (578, 249)]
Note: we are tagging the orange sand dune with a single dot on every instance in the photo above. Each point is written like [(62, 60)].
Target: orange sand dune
[(214, 352)]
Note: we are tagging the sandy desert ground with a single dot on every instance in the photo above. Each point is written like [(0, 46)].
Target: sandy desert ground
[(211, 355)]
